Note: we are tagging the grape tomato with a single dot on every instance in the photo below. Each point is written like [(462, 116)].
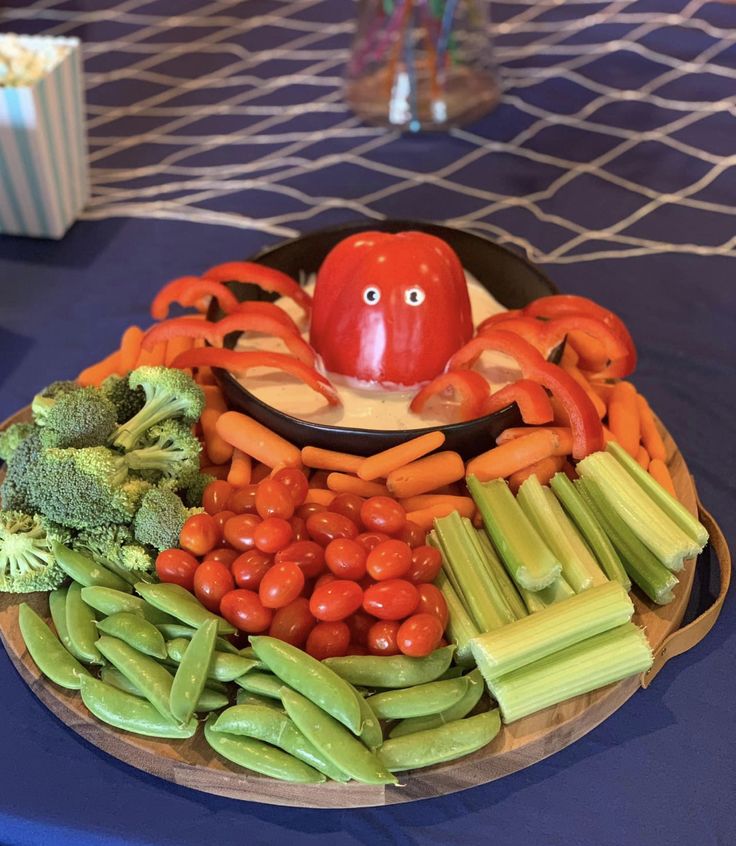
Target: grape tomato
[(177, 566), (382, 638), (243, 500), (426, 563), (272, 534), (293, 622), (389, 560), (239, 531), (216, 495), (392, 599), (249, 568), (295, 483), (325, 526), (419, 635), (281, 585), (200, 534), (383, 514), (212, 580), (431, 601), (274, 500), (310, 556), (346, 558), (335, 600), (348, 505), (245, 611), (328, 640)]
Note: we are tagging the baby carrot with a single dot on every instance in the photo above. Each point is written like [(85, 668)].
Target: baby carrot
[(425, 517), (642, 456), (659, 471), (504, 460), (650, 436), (383, 463), (591, 352), (544, 470), (320, 496), (426, 474), (152, 358), (258, 441), (623, 417), (464, 505), (603, 389), (218, 449), (174, 346), (240, 469), (95, 373), (327, 459), (343, 483), (514, 432), (130, 348), (608, 435), (600, 406)]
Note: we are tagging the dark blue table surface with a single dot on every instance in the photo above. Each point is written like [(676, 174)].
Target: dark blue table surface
[(610, 162)]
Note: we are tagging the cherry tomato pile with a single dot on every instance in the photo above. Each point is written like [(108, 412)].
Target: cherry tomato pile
[(349, 579)]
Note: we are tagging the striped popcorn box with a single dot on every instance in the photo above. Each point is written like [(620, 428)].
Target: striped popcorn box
[(44, 180)]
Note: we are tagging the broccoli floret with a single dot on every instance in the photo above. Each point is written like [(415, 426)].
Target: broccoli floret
[(13, 437), (127, 401), (83, 488), (45, 399), (193, 488), (170, 450), (20, 475), (160, 518), (169, 394), (26, 561), (114, 546), (82, 418)]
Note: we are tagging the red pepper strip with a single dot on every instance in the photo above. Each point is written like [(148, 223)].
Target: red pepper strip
[(561, 305), (179, 327), (242, 361), (615, 347), (246, 321), (170, 294), (467, 385), (495, 319), (264, 277), (587, 432), (532, 399), (531, 330), (269, 310)]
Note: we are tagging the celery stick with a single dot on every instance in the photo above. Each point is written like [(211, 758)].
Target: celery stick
[(501, 577), (595, 662), (533, 599), (591, 530), (459, 561), (460, 628), (495, 593), (530, 562), (645, 570), (559, 589), (560, 625), (545, 513), (664, 499), (639, 511)]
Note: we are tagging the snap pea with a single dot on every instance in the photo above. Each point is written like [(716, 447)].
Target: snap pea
[(418, 701), (334, 741), (262, 684), (85, 570), (264, 722), (173, 630), (192, 672), (153, 680), (460, 709), (316, 681), (175, 600), (452, 673), (129, 713), (109, 601), (134, 630), (444, 743), (392, 671), (80, 625), (51, 658), (210, 700), (57, 607), (224, 667), (260, 757), (244, 697), (371, 732)]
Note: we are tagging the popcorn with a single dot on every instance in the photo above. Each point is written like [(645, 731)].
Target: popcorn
[(25, 60)]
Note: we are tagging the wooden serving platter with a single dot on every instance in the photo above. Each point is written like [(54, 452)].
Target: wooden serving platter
[(193, 764)]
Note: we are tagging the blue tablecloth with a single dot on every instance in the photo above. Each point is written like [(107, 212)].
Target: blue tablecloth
[(217, 128)]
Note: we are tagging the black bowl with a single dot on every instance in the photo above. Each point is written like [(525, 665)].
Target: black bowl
[(511, 279)]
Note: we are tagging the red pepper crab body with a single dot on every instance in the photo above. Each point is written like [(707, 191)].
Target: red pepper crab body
[(390, 309)]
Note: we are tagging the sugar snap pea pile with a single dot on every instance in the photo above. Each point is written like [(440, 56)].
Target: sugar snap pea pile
[(162, 660)]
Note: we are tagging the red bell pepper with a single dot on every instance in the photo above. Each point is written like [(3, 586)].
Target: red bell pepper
[(562, 305), (242, 361), (532, 399), (186, 290), (252, 273), (468, 386), (587, 431), (390, 309)]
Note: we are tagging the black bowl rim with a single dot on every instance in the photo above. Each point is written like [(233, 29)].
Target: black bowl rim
[(350, 228)]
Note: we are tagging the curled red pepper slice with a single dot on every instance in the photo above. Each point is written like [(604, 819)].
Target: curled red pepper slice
[(252, 273), (269, 310), (561, 305), (186, 290), (467, 385), (615, 347), (531, 330), (532, 399), (493, 321), (242, 361), (587, 431)]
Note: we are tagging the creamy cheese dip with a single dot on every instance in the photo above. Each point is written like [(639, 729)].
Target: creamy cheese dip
[(364, 406)]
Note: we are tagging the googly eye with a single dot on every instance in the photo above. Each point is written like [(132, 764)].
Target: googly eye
[(371, 295), (414, 296)]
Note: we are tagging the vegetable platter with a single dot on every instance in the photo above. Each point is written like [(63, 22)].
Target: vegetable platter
[(193, 764)]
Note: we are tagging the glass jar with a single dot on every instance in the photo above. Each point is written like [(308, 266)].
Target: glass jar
[(422, 64)]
